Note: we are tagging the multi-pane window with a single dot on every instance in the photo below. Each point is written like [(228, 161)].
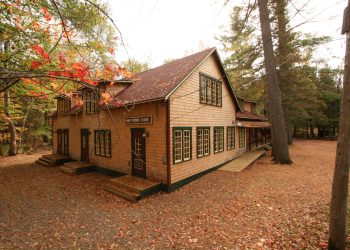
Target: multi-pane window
[(230, 137), (218, 139), (90, 99), (241, 133), (182, 138), (63, 105), (210, 90), (203, 92), (203, 142), (103, 142), (219, 94)]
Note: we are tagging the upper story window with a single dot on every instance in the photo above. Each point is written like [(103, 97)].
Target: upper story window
[(210, 90), (90, 99), (63, 105)]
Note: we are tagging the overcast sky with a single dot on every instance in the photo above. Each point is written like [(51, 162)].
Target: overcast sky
[(155, 30)]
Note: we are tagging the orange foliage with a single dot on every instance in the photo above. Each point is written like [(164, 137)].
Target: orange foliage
[(47, 14), (28, 81)]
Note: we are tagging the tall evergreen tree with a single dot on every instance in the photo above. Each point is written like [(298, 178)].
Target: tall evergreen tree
[(280, 149)]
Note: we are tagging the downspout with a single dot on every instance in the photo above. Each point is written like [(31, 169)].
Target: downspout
[(168, 145)]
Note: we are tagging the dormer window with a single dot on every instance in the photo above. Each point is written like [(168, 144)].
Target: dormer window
[(63, 105), (210, 90), (90, 100)]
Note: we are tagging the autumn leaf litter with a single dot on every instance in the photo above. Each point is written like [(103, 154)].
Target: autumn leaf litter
[(266, 206)]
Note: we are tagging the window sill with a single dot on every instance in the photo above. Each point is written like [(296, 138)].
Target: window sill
[(202, 156), (181, 161)]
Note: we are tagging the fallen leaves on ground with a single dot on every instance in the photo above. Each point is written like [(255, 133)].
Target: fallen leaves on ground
[(266, 206)]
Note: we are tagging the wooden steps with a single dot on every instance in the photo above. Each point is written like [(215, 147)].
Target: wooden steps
[(77, 167), (52, 160), (132, 188), (122, 192)]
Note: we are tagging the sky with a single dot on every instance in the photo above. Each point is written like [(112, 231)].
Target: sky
[(157, 30)]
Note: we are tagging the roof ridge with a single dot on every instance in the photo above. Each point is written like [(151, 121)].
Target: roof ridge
[(178, 59)]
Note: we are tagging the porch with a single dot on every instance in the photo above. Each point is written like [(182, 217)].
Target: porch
[(258, 137), (243, 161)]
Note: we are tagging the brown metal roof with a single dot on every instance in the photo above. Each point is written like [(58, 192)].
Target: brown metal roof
[(245, 115), (157, 83)]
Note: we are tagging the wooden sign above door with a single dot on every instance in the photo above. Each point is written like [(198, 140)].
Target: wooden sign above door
[(139, 120)]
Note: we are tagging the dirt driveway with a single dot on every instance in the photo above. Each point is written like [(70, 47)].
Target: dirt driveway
[(265, 206)]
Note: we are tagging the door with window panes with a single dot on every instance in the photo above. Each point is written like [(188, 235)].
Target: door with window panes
[(138, 152)]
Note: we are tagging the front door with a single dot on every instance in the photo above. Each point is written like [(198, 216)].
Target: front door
[(65, 136), (59, 141), (138, 152), (84, 144)]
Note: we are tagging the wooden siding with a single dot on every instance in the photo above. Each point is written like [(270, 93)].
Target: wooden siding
[(120, 159), (186, 110)]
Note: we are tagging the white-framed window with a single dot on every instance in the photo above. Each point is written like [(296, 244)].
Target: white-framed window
[(218, 139), (230, 134), (203, 141), (209, 93), (203, 92), (213, 92), (219, 94), (182, 143), (103, 143), (177, 146), (241, 133), (210, 90)]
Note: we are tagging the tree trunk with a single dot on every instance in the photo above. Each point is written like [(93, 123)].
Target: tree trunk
[(24, 124), (279, 134), (11, 125), (283, 60), (312, 133), (307, 130), (289, 131), (337, 225)]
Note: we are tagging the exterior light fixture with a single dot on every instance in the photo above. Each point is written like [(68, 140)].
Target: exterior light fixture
[(145, 134)]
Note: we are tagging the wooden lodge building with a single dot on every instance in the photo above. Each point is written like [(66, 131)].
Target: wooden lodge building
[(172, 123)]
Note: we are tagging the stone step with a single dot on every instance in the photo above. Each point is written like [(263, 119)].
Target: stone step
[(122, 192)]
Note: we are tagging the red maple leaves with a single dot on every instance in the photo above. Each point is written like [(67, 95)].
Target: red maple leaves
[(47, 14), (38, 49)]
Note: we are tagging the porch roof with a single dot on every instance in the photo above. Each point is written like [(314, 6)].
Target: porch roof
[(245, 115), (253, 124)]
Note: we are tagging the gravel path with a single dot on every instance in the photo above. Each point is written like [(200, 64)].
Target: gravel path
[(266, 206)]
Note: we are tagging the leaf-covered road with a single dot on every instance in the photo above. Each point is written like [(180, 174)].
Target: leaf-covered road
[(266, 206)]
